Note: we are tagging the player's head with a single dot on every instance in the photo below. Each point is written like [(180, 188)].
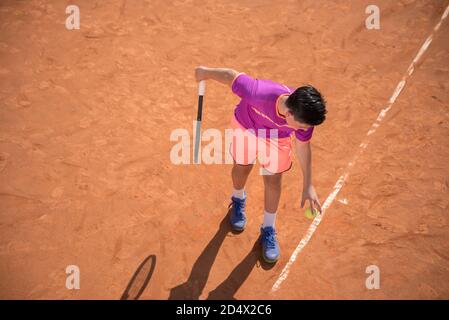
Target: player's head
[(306, 107)]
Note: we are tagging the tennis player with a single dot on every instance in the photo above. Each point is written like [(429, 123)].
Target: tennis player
[(270, 120)]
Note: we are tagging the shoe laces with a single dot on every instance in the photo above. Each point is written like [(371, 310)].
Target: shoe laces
[(269, 237), (238, 206)]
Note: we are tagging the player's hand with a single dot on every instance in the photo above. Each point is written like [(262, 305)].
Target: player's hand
[(200, 73), (309, 194)]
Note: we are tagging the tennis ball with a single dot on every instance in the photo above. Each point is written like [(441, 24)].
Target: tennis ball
[(309, 214)]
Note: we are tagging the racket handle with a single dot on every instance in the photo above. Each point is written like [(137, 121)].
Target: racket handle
[(202, 88), (201, 92)]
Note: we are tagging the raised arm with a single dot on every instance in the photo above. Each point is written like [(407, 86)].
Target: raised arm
[(222, 75)]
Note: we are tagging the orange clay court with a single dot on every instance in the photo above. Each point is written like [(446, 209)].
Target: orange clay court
[(86, 177)]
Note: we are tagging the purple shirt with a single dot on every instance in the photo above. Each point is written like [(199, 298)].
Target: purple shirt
[(257, 108)]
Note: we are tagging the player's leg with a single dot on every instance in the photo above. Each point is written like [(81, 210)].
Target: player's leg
[(243, 151), (278, 161), (240, 175), (272, 184), (270, 246)]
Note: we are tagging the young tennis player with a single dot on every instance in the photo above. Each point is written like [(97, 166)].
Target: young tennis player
[(270, 120)]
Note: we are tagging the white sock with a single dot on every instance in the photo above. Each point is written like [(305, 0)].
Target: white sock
[(239, 193), (268, 219)]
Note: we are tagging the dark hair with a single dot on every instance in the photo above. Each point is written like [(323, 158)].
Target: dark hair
[(307, 105)]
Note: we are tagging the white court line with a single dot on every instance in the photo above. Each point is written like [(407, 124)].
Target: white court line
[(341, 180)]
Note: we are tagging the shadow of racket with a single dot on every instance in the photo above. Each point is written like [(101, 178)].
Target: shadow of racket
[(140, 279)]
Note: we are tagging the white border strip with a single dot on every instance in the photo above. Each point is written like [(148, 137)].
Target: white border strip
[(341, 180)]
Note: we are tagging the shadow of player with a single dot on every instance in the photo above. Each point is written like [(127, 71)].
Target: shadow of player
[(194, 286), (227, 289)]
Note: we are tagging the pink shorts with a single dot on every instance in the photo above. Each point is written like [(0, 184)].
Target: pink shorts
[(274, 155)]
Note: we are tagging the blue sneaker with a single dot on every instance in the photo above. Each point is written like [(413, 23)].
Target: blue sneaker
[(270, 246), (237, 216)]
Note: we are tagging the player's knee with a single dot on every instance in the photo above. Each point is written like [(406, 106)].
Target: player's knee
[(273, 180), (242, 168)]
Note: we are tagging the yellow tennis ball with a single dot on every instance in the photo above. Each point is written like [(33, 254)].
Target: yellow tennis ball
[(309, 214)]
